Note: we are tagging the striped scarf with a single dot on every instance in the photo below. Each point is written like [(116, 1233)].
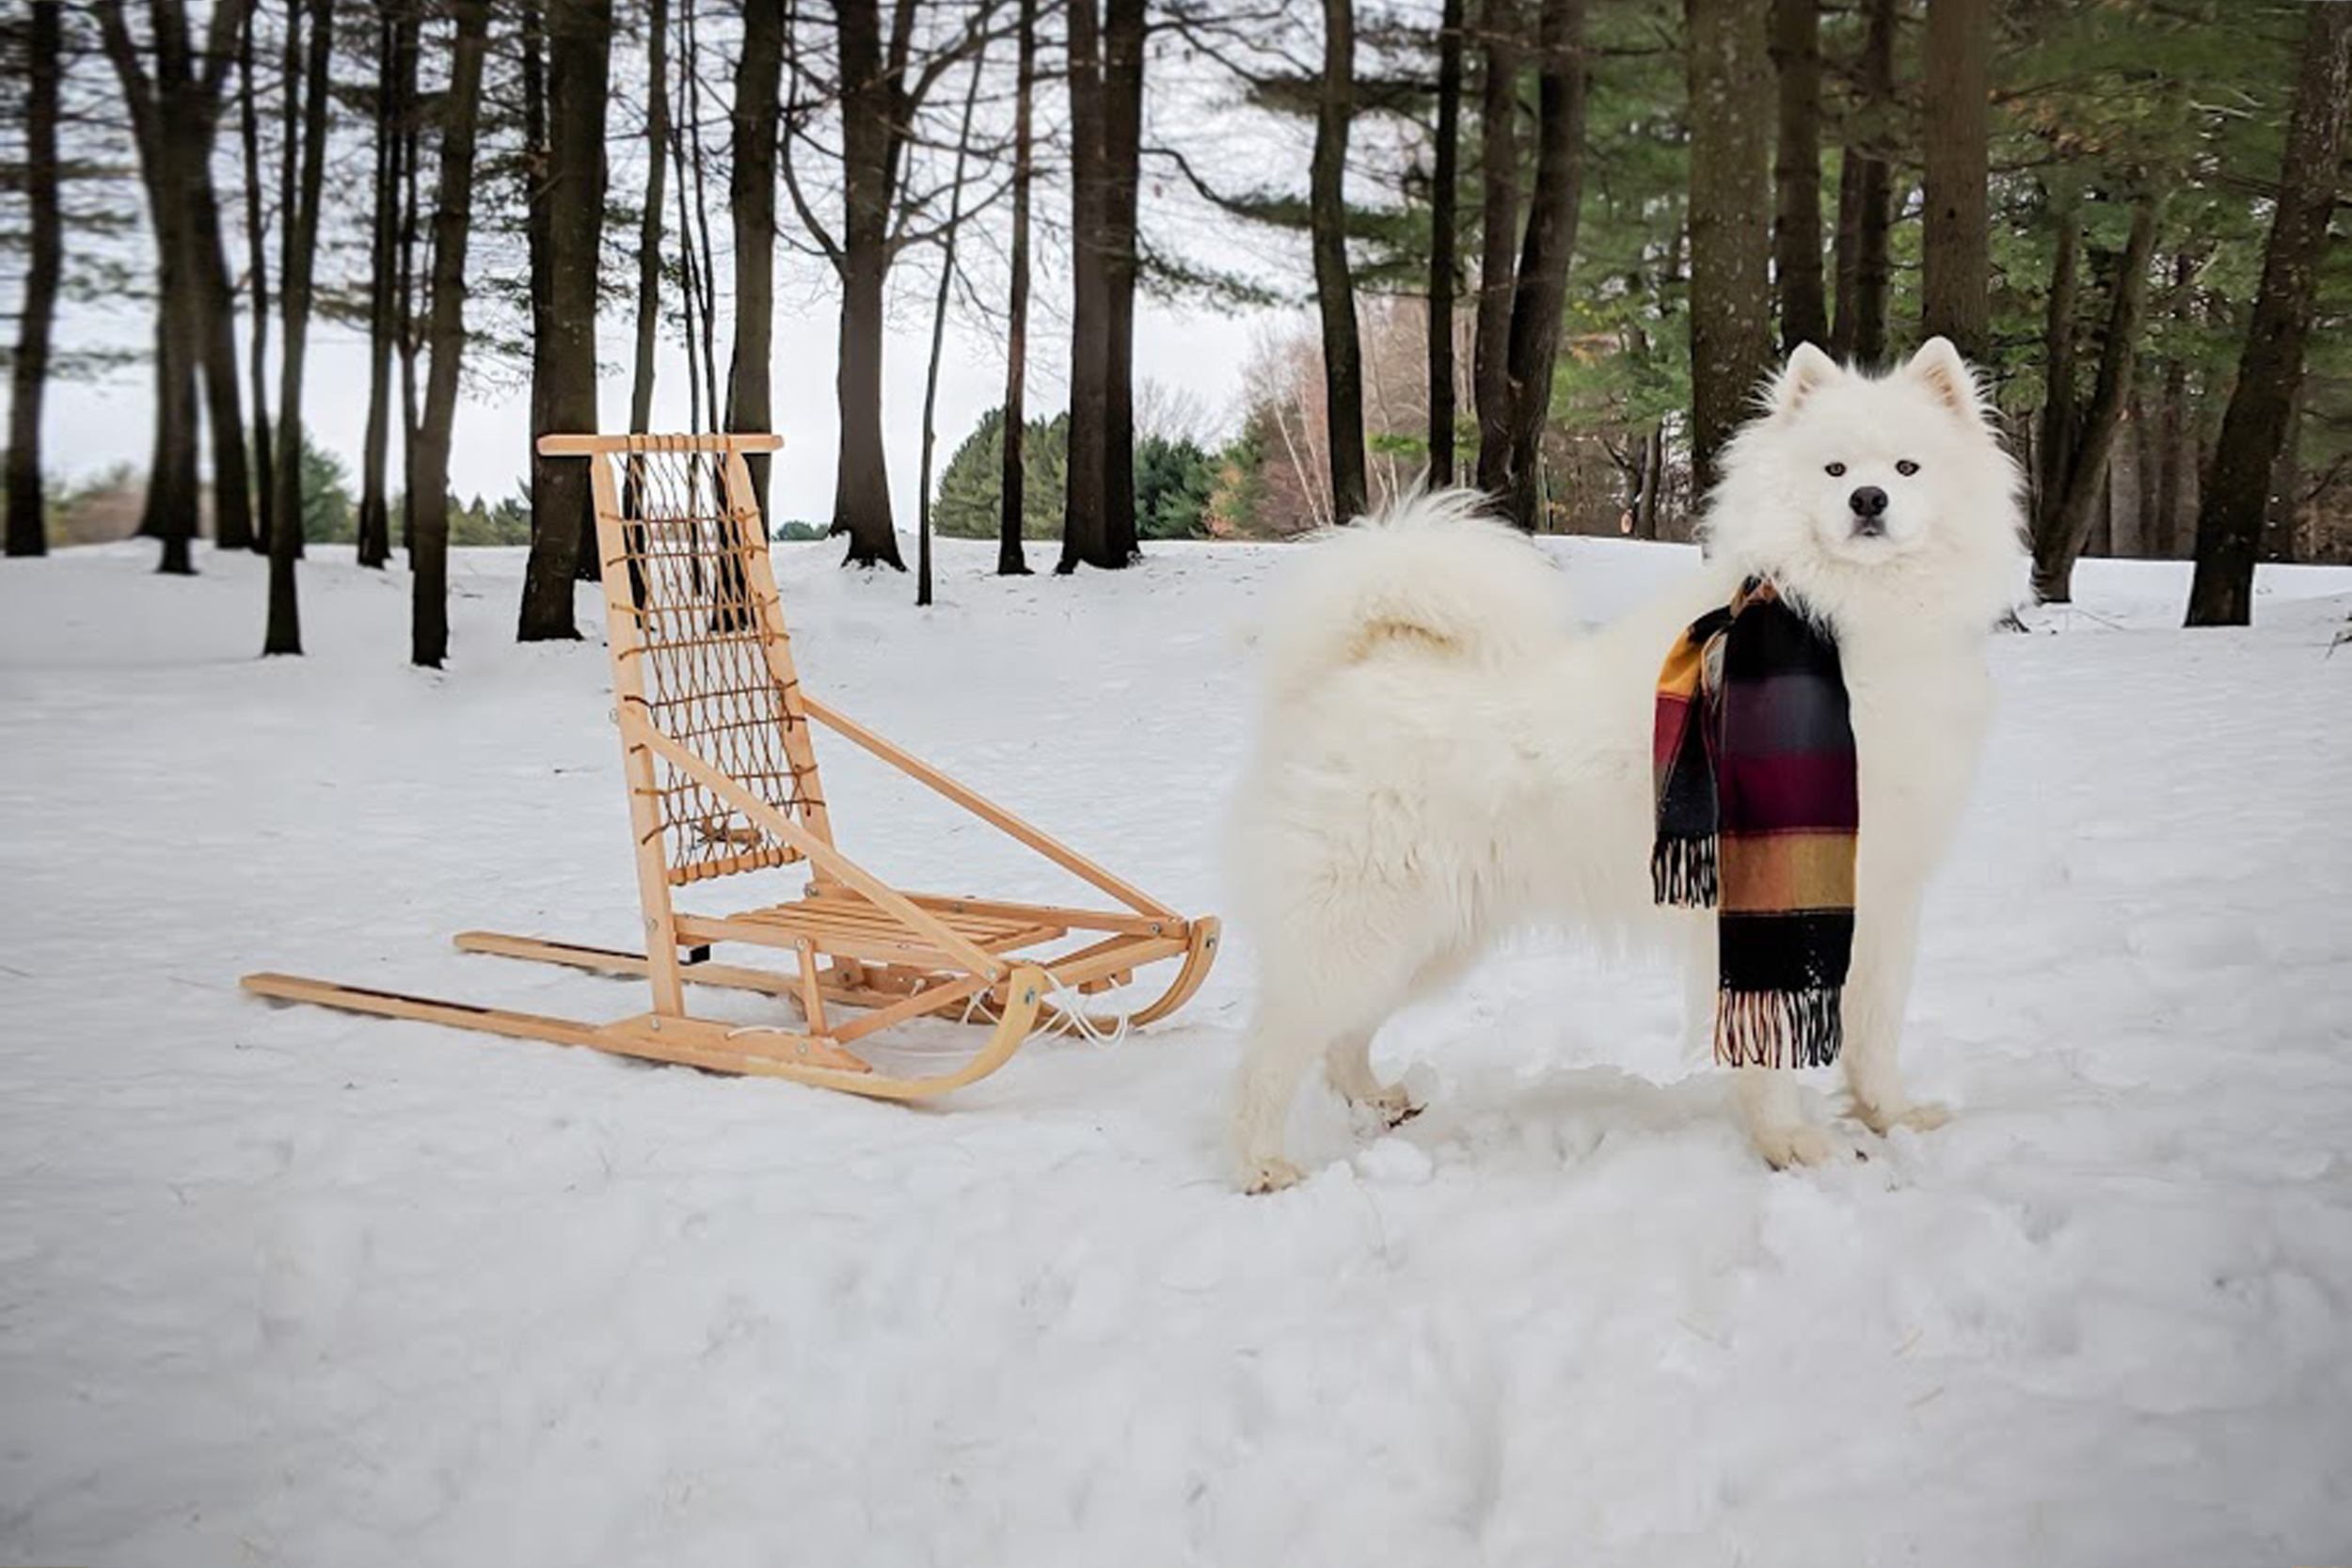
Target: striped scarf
[(1754, 755)]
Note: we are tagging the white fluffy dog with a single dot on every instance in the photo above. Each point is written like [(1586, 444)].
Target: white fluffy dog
[(1442, 758)]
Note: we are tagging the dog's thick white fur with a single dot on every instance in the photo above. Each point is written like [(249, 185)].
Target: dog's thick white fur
[(1443, 758)]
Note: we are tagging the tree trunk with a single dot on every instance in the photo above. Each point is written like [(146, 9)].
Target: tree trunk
[(2147, 472), (1796, 175), (2172, 423), (649, 238), (579, 63), (1377, 392), (28, 380), (1844, 244), (257, 265), (1634, 467), (393, 40), (1335, 287), (692, 297), (870, 100), (2271, 372), (284, 633), (2057, 545), (1956, 105), (1084, 505), (216, 324), (537, 174), (939, 337), (2147, 468), (192, 88), (173, 486), (1865, 271), (2286, 479), (1730, 299), (285, 451), (1106, 118), (405, 315), (1498, 241), (2119, 530), (699, 163), (1550, 243), (1125, 31), (1011, 493), (1443, 249), (1653, 483), (445, 331), (649, 229), (170, 512), (186, 115), (752, 200), (2054, 442), (2165, 536), (862, 489)]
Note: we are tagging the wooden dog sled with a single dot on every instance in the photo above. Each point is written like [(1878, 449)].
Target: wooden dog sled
[(722, 782)]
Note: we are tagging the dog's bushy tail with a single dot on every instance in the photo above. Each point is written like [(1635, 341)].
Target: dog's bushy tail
[(1432, 571)]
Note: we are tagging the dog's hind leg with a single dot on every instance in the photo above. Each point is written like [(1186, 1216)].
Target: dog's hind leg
[(1347, 1067), (1284, 1041), (1308, 1010), (1347, 1062)]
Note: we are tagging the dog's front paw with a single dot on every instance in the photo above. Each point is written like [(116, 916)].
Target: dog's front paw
[(1793, 1144), (1270, 1176), (1921, 1116)]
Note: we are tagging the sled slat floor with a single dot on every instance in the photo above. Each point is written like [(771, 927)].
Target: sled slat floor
[(842, 923)]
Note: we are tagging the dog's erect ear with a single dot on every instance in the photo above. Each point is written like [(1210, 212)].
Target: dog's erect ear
[(1938, 365), (1808, 370)]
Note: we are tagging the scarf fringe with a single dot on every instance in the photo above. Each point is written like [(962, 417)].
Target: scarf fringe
[(1682, 872), (1778, 1028)]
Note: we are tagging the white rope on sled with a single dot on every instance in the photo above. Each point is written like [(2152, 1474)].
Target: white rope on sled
[(1071, 1015), (1070, 1003), (1067, 1001)]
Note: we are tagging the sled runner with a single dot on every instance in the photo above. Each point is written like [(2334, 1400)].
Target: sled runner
[(722, 782)]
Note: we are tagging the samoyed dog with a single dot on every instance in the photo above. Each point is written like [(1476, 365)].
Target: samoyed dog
[(1442, 757)]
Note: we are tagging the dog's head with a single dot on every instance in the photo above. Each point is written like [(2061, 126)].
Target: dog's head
[(1866, 493)]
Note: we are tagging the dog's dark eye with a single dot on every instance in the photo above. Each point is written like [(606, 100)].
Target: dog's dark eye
[(1836, 470), (1906, 467)]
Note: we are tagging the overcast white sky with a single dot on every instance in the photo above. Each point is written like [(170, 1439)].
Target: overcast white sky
[(1193, 352), (1190, 350)]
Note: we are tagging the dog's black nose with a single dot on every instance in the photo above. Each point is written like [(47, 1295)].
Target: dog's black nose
[(1867, 501)]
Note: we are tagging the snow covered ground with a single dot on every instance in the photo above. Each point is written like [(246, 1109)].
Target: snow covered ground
[(289, 1287)]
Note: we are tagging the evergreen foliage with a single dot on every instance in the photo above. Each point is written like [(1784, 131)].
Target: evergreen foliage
[(1175, 479)]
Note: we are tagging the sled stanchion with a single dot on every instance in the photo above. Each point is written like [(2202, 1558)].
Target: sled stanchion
[(722, 781), (627, 640)]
